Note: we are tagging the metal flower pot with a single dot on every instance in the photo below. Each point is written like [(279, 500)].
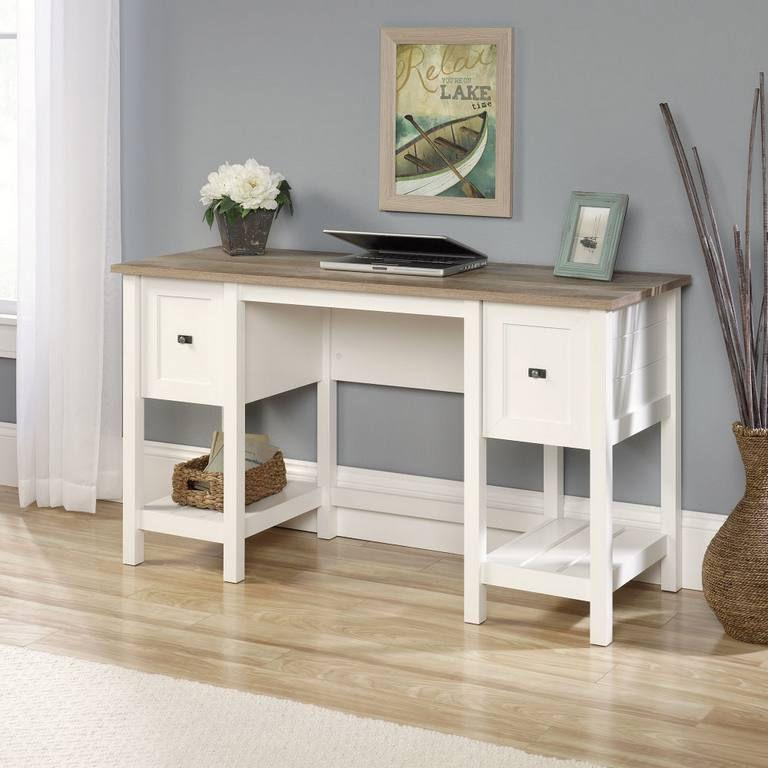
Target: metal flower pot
[(245, 236)]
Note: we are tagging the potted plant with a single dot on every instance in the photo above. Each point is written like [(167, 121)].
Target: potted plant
[(244, 200), (735, 566)]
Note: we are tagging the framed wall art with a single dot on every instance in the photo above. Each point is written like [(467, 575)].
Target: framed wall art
[(446, 135), (591, 235)]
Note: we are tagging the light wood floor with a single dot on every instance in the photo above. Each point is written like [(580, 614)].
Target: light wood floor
[(377, 630)]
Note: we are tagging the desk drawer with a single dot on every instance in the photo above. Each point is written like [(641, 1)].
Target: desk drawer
[(180, 348), (536, 374)]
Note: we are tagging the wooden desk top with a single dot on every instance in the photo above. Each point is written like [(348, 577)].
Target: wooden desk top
[(500, 282)]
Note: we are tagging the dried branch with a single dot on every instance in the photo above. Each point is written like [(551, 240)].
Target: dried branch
[(708, 248), (751, 380), (746, 346), (724, 282), (764, 387), (759, 335), (745, 304)]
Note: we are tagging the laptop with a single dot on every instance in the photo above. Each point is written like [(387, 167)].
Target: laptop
[(431, 255)]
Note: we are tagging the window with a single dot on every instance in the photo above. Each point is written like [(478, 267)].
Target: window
[(8, 157)]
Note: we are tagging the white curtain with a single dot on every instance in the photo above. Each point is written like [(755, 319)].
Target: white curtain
[(68, 342)]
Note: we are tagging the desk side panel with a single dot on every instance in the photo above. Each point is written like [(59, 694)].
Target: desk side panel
[(639, 366)]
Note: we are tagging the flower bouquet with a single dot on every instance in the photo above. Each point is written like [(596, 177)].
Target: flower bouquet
[(244, 200)]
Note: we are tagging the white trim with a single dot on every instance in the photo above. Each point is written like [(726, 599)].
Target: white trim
[(7, 335), (8, 473), (417, 511)]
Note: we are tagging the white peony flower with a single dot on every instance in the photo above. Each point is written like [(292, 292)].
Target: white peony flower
[(218, 185), (257, 186), (251, 185), (211, 191)]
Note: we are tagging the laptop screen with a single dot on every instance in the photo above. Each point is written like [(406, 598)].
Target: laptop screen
[(427, 245)]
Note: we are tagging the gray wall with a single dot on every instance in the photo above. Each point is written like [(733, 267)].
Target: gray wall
[(295, 84)]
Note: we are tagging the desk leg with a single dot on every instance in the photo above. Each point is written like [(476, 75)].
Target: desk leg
[(600, 490), (233, 425), (671, 514), (475, 521), (553, 481), (133, 423), (327, 526)]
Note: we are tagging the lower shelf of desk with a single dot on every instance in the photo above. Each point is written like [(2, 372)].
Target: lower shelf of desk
[(165, 516), (553, 558)]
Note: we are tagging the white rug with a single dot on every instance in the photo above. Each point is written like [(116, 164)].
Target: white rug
[(58, 711)]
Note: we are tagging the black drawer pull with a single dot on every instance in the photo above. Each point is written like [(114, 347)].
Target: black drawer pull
[(183, 339), (537, 373)]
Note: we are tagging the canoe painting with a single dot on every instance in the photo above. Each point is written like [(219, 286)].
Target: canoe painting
[(419, 167)]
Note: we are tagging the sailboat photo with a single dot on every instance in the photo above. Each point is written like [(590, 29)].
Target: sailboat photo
[(591, 232)]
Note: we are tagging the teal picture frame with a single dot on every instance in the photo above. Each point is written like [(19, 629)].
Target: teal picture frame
[(591, 254)]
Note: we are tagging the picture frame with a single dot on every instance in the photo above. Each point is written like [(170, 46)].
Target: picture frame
[(591, 235), (446, 120)]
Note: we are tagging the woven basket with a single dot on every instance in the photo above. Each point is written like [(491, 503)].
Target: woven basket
[(193, 487), (735, 568)]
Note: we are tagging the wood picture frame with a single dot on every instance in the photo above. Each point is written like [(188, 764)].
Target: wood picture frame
[(450, 151), (591, 235)]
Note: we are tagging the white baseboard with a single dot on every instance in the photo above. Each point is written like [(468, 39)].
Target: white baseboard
[(7, 454), (7, 334), (415, 511)]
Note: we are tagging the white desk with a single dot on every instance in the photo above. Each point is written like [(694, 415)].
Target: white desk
[(608, 365)]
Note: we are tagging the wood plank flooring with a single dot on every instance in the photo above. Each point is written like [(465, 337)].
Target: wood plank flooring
[(377, 631)]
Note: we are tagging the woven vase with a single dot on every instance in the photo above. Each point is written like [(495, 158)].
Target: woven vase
[(735, 568)]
